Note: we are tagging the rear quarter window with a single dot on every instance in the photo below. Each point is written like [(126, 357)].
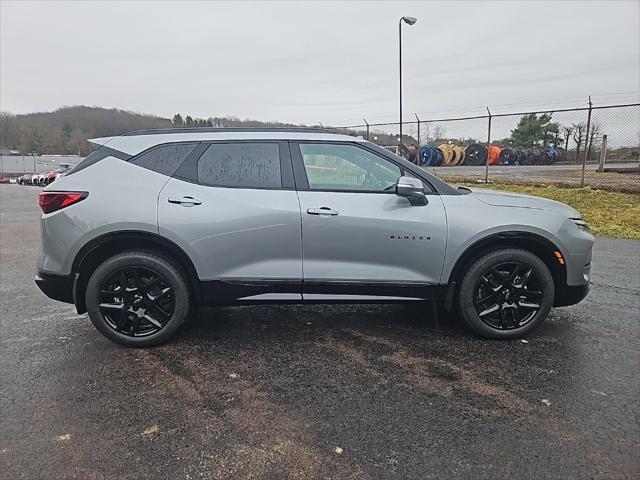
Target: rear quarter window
[(164, 159)]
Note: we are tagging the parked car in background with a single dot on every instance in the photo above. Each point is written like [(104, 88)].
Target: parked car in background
[(155, 223), (59, 173), (25, 179), (49, 177), (42, 179)]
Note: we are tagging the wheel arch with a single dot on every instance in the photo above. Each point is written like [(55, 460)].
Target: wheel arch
[(540, 246), (100, 248)]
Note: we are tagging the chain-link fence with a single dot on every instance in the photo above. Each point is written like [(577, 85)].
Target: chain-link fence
[(596, 146)]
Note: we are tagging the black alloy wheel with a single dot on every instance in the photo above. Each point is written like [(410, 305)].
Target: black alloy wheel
[(136, 301), (508, 296), (138, 298), (505, 294)]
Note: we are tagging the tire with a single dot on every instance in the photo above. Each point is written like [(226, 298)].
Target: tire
[(155, 302), (494, 281)]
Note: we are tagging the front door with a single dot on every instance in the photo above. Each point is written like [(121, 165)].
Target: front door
[(360, 239)]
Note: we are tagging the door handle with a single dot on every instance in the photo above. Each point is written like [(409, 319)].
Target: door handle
[(185, 201), (322, 211)]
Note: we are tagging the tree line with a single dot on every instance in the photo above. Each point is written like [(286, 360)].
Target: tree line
[(538, 130), (532, 130), (65, 131)]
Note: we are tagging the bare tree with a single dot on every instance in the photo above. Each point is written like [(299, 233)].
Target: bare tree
[(412, 131), (568, 130), (587, 142), (438, 132), (578, 132), (595, 139)]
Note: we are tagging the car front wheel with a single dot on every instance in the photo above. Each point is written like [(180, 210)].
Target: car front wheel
[(137, 298), (506, 294)]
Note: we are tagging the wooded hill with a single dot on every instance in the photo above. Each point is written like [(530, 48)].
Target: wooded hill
[(65, 131)]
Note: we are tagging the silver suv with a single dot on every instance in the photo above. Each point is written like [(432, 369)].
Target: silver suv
[(155, 223)]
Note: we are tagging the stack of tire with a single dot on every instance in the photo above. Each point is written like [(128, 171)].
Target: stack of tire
[(535, 156), (430, 156), (477, 154), (445, 154), (510, 156), (453, 154)]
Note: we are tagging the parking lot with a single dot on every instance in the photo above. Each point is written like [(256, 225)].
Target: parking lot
[(370, 391)]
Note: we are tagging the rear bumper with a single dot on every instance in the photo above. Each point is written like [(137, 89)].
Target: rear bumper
[(57, 287), (570, 295)]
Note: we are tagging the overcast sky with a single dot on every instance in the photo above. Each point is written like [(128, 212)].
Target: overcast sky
[(329, 62)]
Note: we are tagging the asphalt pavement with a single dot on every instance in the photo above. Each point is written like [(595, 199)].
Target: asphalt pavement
[(366, 391)]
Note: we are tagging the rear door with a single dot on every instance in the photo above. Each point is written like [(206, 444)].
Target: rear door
[(359, 237), (233, 208)]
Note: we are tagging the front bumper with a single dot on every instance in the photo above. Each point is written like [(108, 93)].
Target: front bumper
[(570, 295), (57, 287)]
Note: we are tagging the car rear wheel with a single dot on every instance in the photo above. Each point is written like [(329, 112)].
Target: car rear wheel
[(137, 298), (506, 294)]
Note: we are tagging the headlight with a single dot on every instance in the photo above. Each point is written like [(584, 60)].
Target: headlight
[(581, 224)]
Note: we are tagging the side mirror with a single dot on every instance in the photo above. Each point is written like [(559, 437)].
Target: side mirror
[(412, 189)]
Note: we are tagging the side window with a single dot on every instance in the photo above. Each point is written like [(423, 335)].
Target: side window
[(165, 159), (347, 167), (248, 165)]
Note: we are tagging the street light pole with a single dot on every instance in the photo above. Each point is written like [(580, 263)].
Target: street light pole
[(408, 21)]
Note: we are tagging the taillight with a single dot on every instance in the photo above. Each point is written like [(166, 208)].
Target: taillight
[(52, 201)]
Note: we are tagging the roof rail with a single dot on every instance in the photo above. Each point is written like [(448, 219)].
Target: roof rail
[(161, 131)]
